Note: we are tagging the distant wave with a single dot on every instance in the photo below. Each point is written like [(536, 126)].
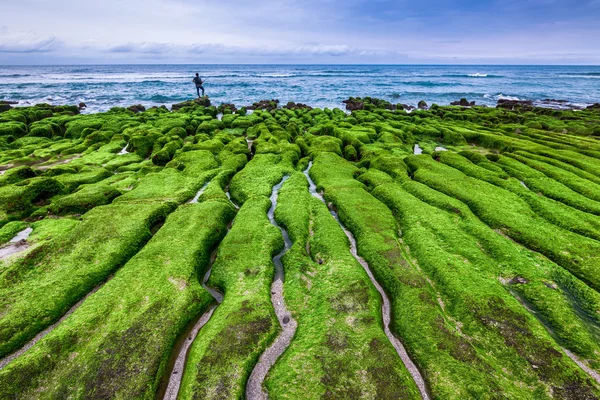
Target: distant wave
[(579, 73), (475, 75), (428, 83), (157, 98), (503, 97), (14, 75), (584, 76)]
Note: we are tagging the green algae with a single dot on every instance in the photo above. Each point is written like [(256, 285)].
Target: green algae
[(337, 309), (116, 344), (244, 323), (488, 277)]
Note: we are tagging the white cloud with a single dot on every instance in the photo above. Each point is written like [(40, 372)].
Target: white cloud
[(26, 42)]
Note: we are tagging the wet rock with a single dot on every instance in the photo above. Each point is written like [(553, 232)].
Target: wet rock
[(226, 108), (422, 105), (512, 104), (463, 103), (137, 108), (82, 105), (200, 101), (296, 106), (554, 101), (595, 106), (518, 280), (267, 105), (9, 102), (369, 104), (353, 104)]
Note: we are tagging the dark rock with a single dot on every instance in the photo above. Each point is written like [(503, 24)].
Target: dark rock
[(518, 280), (286, 319), (422, 105), (595, 106), (267, 105), (200, 101), (227, 107), (551, 285), (463, 103), (296, 106), (9, 102), (512, 104), (4, 107), (82, 105), (353, 104), (137, 108), (320, 261)]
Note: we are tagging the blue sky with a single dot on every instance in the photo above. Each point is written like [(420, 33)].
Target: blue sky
[(309, 31)]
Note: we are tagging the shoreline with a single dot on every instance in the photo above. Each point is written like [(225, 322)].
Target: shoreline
[(507, 103)]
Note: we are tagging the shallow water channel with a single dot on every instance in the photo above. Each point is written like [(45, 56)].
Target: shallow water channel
[(16, 244), (169, 390), (386, 307), (254, 388)]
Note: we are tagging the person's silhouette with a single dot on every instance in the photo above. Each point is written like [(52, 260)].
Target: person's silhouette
[(198, 83)]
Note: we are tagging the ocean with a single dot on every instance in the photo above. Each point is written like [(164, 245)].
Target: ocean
[(104, 86)]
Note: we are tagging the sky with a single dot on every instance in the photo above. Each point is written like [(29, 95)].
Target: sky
[(307, 31)]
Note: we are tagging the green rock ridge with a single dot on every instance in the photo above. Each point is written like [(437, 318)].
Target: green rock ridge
[(486, 241)]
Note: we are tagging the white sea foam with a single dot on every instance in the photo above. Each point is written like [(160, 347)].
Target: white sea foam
[(478, 75), (503, 97)]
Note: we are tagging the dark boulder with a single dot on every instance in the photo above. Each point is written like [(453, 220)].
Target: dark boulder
[(137, 108), (512, 104), (82, 105), (463, 103), (353, 104), (296, 106), (267, 105), (595, 106), (422, 105), (227, 108)]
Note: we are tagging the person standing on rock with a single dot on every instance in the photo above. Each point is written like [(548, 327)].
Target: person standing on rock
[(198, 81)]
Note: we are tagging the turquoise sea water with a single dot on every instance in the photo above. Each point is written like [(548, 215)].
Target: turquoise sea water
[(104, 86)]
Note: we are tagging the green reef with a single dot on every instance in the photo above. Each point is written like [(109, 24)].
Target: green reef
[(445, 252)]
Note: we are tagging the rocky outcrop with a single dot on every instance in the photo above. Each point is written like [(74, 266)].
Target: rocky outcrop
[(513, 104), (422, 105), (6, 105), (227, 107), (463, 103), (296, 106), (353, 104), (200, 101), (137, 108), (267, 105), (82, 105), (595, 106)]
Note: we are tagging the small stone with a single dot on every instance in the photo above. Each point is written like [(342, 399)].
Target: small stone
[(518, 280), (551, 285), (286, 319)]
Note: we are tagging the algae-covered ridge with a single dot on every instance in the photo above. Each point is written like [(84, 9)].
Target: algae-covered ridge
[(444, 253)]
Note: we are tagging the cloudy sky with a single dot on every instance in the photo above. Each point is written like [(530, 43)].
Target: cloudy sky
[(307, 31)]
